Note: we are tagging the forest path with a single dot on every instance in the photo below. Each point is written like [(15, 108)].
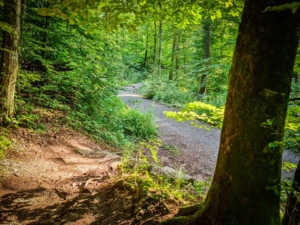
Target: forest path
[(198, 147)]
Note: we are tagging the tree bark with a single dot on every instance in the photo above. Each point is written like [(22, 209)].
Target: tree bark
[(155, 43), (45, 39), (174, 57), (259, 88), (146, 51), (159, 49), (206, 54), (9, 59)]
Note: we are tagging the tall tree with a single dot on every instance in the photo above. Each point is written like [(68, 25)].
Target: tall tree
[(9, 59), (174, 56), (259, 88), (206, 54), (246, 182)]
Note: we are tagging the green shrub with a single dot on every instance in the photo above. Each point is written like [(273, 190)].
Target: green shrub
[(201, 112), (292, 129), (137, 125), (5, 144), (167, 92)]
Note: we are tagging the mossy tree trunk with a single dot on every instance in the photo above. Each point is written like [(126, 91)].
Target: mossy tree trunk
[(249, 160), (9, 59)]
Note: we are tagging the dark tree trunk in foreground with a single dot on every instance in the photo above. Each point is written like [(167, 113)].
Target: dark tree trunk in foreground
[(292, 210), (259, 88), (9, 59)]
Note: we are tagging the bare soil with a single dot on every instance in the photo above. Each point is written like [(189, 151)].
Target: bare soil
[(62, 176)]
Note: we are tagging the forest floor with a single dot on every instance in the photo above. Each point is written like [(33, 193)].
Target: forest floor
[(62, 176)]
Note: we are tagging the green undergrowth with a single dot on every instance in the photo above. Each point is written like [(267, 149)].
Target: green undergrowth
[(5, 143), (166, 92), (212, 115), (90, 105), (199, 111), (141, 173)]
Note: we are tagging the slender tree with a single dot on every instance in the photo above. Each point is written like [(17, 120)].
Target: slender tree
[(206, 54), (9, 59), (174, 56)]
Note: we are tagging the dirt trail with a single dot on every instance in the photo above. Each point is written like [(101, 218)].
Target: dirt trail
[(64, 177), (199, 146)]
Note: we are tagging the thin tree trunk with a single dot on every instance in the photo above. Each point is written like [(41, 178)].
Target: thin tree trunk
[(9, 59), (206, 55), (159, 49), (155, 43), (136, 45), (146, 51), (174, 57), (46, 26)]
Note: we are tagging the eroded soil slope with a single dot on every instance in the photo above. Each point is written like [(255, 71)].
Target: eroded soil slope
[(64, 177)]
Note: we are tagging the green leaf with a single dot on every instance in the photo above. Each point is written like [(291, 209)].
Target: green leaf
[(43, 12), (71, 21)]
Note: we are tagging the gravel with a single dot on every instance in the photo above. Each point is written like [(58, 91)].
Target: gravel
[(199, 147)]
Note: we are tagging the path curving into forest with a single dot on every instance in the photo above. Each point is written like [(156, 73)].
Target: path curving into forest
[(199, 147)]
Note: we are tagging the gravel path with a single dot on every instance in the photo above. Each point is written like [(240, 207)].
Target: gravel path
[(199, 147)]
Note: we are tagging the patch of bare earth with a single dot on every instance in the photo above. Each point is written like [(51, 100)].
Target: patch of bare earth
[(65, 177)]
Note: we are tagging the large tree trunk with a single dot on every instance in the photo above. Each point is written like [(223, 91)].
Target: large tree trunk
[(206, 54), (259, 87), (9, 59)]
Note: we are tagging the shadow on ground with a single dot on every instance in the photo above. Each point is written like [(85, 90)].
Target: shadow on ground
[(108, 205)]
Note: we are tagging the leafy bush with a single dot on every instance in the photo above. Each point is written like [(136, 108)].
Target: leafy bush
[(292, 129), (201, 112), (166, 92), (137, 125), (5, 143), (137, 173), (213, 115)]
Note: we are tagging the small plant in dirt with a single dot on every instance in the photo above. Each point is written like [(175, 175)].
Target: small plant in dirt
[(171, 148), (141, 173), (5, 143)]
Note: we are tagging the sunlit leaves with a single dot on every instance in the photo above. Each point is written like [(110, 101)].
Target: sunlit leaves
[(199, 111), (6, 27)]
